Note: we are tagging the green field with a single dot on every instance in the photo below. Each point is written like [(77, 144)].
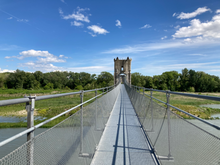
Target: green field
[(190, 104), (45, 108), (52, 107)]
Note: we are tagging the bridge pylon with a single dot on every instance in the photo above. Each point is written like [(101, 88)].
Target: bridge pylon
[(122, 67)]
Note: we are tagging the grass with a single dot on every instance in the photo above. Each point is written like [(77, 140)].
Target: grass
[(190, 104), (46, 108), (52, 107)]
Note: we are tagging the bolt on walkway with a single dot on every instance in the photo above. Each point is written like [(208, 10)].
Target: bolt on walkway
[(123, 141)]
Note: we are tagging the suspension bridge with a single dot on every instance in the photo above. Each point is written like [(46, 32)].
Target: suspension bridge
[(123, 125)]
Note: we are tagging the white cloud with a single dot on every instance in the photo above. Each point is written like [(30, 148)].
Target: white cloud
[(63, 1), (177, 43), (177, 27), (75, 23), (42, 56), (118, 23), (50, 67), (93, 35), (41, 67), (6, 70), (210, 29), (60, 11), (78, 16), (9, 47), (199, 11), (145, 26), (188, 40), (192, 65), (155, 69), (218, 11), (50, 59), (197, 54), (22, 20), (33, 53), (174, 14), (97, 30), (12, 16), (163, 37), (61, 56), (143, 48)]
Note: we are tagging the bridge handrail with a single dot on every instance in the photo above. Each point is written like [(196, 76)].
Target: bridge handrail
[(184, 94), (51, 119), (26, 99), (172, 137)]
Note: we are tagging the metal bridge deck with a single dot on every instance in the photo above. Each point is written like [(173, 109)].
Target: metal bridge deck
[(123, 141)]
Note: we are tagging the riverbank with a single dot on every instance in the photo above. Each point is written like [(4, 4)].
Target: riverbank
[(190, 104), (44, 108), (52, 107)]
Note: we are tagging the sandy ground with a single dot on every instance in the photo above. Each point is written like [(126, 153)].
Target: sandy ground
[(21, 113)]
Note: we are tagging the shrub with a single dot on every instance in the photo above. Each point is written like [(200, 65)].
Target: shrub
[(79, 87), (191, 89), (67, 88), (48, 86)]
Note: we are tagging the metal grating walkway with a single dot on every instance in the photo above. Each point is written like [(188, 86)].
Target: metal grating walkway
[(123, 141)]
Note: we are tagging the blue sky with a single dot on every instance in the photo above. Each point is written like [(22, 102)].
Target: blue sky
[(159, 36)]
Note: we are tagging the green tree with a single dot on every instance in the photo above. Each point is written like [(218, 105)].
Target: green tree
[(48, 86), (105, 79), (184, 80), (170, 80), (137, 79), (29, 81), (1, 82), (16, 79), (149, 82), (39, 76)]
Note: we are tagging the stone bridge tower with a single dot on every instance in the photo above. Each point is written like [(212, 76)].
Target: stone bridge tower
[(122, 68)]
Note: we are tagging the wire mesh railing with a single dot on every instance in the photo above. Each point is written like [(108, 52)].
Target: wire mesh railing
[(175, 140), (72, 141)]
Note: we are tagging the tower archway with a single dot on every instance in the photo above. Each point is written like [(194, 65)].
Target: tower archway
[(122, 67)]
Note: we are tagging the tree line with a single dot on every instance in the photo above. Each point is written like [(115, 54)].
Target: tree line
[(187, 80), (55, 80)]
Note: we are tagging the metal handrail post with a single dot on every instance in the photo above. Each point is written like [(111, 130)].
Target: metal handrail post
[(96, 109), (152, 112), (168, 120), (30, 124), (81, 127), (143, 90)]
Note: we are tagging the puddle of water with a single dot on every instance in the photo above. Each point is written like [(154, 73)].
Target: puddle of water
[(215, 115), (4, 119), (217, 106)]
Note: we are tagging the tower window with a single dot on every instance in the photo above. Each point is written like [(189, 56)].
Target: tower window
[(122, 69)]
